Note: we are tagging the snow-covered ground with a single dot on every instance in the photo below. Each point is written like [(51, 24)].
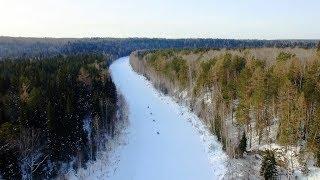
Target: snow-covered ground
[(164, 140)]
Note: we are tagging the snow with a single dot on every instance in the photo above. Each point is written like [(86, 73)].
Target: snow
[(164, 140), (314, 174)]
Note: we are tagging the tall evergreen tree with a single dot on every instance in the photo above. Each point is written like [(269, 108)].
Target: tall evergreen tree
[(243, 144), (269, 165)]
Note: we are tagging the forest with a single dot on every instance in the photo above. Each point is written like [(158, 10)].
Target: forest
[(17, 47), (255, 100), (58, 104), (56, 113)]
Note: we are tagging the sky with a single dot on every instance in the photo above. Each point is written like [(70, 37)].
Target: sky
[(231, 19)]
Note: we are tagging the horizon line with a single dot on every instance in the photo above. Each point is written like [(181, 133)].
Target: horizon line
[(165, 38)]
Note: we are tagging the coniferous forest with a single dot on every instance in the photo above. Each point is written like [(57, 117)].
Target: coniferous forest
[(13, 47), (256, 101), (55, 114), (159, 90), (59, 106)]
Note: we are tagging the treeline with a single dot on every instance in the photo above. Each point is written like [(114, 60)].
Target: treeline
[(256, 95), (46, 47), (54, 114)]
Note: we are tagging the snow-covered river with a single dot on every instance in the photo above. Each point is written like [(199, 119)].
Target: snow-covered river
[(164, 140)]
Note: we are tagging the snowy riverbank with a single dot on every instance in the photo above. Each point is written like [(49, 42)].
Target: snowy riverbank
[(164, 140)]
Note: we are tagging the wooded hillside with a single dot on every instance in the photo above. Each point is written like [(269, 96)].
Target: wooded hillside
[(55, 114), (253, 100)]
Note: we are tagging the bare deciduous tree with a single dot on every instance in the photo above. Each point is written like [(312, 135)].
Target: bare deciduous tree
[(30, 148)]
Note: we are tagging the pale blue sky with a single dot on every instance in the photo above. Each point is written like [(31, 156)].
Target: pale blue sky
[(241, 19)]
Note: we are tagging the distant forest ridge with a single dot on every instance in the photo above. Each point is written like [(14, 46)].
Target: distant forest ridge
[(23, 47)]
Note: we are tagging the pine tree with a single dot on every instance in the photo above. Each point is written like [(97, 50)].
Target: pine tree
[(292, 112), (268, 168), (243, 144), (258, 100), (295, 73)]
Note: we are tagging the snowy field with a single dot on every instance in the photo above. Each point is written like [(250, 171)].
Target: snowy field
[(164, 140)]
